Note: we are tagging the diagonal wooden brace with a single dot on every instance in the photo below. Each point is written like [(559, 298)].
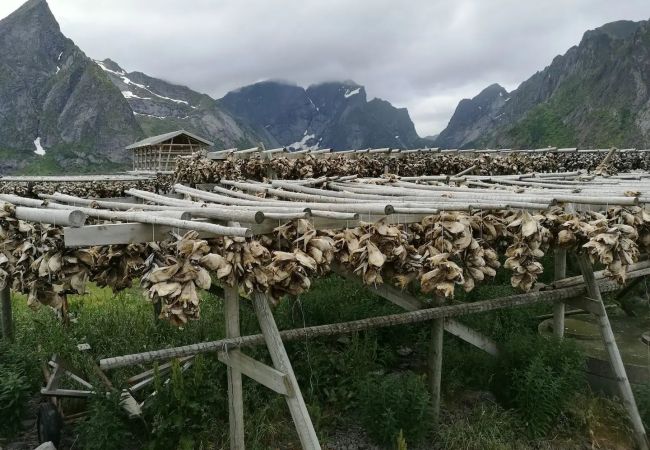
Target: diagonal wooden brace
[(281, 362), (593, 293)]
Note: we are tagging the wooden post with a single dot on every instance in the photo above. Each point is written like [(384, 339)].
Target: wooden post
[(435, 363), (7, 321), (612, 351), (558, 307), (281, 361), (235, 388)]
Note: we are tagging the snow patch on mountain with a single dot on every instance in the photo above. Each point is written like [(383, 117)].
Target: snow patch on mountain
[(153, 116), (130, 94), (106, 69), (130, 82), (349, 93), (39, 148), (302, 144)]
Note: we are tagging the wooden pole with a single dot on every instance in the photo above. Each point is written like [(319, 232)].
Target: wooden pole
[(295, 401), (435, 363), (558, 308), (7, 320), (235, 388), (335, 329), (593, 292)]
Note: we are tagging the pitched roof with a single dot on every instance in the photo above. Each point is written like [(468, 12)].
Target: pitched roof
[(153, 140)]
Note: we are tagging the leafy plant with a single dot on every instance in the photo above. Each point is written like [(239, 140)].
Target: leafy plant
[(105, 428), (14, 394), (183, 408), (539, 377), (394, 403)]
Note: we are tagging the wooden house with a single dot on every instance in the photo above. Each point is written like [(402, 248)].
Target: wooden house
[(159, 153)]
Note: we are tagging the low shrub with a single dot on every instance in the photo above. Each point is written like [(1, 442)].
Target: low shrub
[(14, 394), (393, 404), (105, 428), (184, 410), (539, 377)]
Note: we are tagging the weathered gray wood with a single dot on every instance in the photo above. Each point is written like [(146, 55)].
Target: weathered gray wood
[(471, 336), (255, 370), (613, 353), (435, 363), (70, 393), (162, 369), (73, 376), (558, 308), (7, 318), (153, 219), (55, 376), (235, 388), (410, 303), (119, 233), (296, 403), (63, 218), (423, 315), (586, 304)]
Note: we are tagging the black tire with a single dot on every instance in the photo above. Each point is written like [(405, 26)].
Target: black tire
[(49, 424)]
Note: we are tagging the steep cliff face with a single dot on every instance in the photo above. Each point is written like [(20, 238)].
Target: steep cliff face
[(57, 108), (61, 111), (160, 107), (474, 117), (327, 115), (596, 94)]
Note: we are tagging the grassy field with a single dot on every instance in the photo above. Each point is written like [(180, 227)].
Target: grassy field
[(533, 396)]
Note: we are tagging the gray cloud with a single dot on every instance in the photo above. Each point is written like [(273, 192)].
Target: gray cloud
[(423, 54)]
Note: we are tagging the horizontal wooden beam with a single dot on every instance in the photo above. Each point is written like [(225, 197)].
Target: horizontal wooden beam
[(424, 315), (120, 233)]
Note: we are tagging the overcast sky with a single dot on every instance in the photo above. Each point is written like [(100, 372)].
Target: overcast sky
[(425, 55)]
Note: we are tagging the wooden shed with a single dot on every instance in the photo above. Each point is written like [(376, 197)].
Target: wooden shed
[(159, 153)]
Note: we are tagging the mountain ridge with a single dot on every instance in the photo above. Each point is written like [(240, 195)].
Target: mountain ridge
[(61, 111), (52, 93), (595, 94)]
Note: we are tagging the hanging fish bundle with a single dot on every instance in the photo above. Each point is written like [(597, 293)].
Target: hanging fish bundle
[(366, 249), (451, 255), (174, 280), (613, 245), (235, 260), (531, 240), (300, 234), (44, 269), (116, 266)]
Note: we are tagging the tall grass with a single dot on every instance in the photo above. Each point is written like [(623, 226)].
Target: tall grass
[(334, 373)]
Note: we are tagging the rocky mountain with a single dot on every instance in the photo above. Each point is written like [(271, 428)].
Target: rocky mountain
[(61, 111), (275, 113), (57, 107), (595, 95), (328, 115), (160, 107)]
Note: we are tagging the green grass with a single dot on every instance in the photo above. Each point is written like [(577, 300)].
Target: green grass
[(542, 126), (191, 411)]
